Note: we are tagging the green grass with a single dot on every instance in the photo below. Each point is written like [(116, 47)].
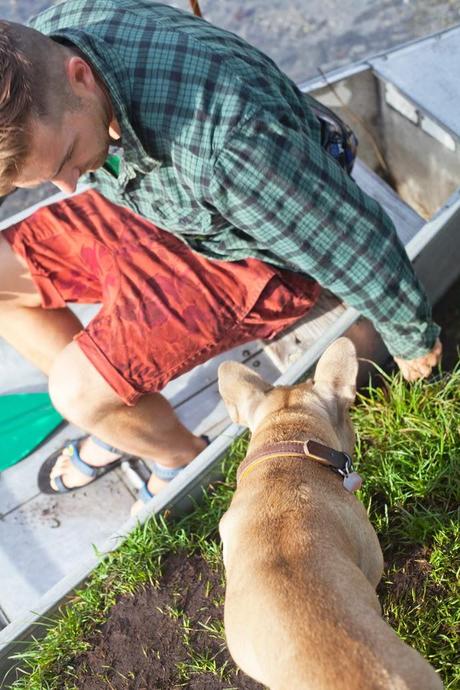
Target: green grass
[(408, 451)]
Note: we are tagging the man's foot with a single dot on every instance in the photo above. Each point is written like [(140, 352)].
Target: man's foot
[(151, 489), (91, 453), (157, 483), (78, 464)]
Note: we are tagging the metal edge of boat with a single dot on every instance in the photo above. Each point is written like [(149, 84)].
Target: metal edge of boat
[(432, 246)]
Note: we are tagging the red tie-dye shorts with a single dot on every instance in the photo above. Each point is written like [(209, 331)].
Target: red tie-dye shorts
[(165, 309)]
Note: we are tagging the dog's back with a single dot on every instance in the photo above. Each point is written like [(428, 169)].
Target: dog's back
[(302, 560)]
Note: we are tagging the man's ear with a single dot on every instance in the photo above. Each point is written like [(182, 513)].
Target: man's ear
[(242, 391), (80, 75), (335, 374)]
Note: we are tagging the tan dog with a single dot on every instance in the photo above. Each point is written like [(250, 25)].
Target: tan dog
[(302, 560)]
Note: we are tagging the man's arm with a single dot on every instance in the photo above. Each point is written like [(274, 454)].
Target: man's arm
[(274, 182)]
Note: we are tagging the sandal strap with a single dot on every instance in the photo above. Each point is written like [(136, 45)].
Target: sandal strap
[(76, 461), (145, 494), (166, 473), (103, 444), (61, 487)]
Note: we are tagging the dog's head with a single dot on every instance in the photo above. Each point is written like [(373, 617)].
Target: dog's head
[(318, 407)]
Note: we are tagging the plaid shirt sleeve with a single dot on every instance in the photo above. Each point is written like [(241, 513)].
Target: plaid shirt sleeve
[(279, 186)]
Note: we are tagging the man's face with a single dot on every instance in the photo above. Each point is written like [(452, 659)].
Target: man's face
[(63, 150)]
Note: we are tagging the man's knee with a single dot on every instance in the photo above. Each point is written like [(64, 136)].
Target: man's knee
[(78, 391), (17, 288)]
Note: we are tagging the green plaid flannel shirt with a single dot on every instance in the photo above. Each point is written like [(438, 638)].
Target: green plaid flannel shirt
[(220, 148)]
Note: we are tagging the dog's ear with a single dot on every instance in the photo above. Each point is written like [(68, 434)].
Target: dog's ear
[(336, 372), (242, 390)]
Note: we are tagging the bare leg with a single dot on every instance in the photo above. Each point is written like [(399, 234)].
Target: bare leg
[(38, 334), (150, 429)]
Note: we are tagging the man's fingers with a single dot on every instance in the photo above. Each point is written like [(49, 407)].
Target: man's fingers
[(435, 354), (438, 347), (414, 369), (413, 374)]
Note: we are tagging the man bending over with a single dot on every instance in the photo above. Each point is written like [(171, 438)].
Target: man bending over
[(184, 127)]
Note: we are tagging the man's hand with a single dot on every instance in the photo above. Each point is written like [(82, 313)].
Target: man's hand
[(420, 368)]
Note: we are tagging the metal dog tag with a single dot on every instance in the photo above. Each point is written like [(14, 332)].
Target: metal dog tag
[(352, 482)]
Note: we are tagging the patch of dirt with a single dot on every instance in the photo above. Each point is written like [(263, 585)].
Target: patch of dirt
[(412, 574), (406, 575), (151, 636)]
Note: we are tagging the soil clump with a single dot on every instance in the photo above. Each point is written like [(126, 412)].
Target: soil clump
[(161, 638)]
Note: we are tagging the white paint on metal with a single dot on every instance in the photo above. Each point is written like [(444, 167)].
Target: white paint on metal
[(426, 72), (433, 129), (397, 101)]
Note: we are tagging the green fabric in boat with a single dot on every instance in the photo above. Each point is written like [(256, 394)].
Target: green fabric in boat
[(26, 419)]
